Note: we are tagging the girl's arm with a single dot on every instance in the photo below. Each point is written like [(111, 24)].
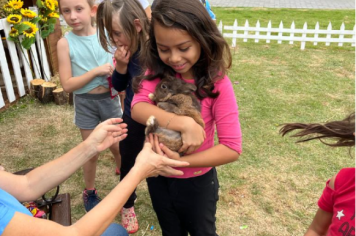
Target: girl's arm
[(38, 181), (70, 83), (193, 135), (322, 219), (99, 218)]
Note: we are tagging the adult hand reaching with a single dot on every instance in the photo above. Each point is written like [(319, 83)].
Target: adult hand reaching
[(152, 164), (106, 134)]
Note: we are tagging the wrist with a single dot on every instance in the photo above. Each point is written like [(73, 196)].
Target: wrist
[(89, 148), (121, 69)]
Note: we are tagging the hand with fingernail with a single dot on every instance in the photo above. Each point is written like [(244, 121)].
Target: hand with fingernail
[(122, 57), (104, 70)]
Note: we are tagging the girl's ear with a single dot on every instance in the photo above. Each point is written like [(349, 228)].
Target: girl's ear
[(138, 25), (93, 10)]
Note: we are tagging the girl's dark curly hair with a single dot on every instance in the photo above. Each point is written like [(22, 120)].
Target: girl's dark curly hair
[(343, 132), (192, 17)]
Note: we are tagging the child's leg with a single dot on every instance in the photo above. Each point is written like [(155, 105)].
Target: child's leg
[(89, 168), (162, 191), (116, 153)]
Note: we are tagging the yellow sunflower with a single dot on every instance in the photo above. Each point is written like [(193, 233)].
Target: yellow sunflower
[(15, 4), (14, 32), (28, 13), (50, 5), (14, 19), (55, 2), (30, 32), (53, 15), (7, 8)]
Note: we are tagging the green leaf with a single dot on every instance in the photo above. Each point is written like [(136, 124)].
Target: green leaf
[(44, 33), (39, 3), (27, 42), (21, 27), (16, 39), (51, 28), (35, 20), (52, 21)]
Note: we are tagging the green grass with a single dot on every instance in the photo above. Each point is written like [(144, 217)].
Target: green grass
[(274, 186)]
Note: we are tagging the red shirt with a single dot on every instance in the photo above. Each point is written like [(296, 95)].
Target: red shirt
[(341, 203)]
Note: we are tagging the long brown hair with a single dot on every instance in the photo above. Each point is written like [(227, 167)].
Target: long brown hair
[(128, 12), (343, 131), (192, 17)]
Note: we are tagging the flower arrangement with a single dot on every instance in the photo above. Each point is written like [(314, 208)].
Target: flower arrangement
[(24, 21)]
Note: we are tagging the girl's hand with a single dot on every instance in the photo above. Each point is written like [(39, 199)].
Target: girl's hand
[(106, 134), (104, 70), (122, 57), (150, 164), (160, 149), (193, 135)]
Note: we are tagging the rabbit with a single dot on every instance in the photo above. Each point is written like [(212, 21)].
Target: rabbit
[(175, 96)]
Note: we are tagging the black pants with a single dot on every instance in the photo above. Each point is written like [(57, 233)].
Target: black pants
[(185, 205), (129, 149)]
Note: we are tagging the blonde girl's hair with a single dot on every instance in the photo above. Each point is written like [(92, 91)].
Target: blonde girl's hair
[(128, 11)]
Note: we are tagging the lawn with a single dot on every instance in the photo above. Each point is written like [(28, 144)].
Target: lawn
[(274, 186)]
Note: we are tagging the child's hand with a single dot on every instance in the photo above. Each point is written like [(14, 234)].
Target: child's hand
[(160, 149), (122, 57), (193, 136), (104, 70)]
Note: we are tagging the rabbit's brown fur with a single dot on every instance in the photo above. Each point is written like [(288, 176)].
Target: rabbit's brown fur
[(175, 96)]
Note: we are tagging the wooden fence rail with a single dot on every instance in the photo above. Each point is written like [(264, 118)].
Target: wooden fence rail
[(279, 34)]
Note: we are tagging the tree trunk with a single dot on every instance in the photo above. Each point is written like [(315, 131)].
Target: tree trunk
[(45, 94), (60, 97), (35, 87)]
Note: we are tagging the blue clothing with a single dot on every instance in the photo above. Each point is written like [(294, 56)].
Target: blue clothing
[(124, 82), (115, 230), (208, 8), (86, 53), (8, 206)]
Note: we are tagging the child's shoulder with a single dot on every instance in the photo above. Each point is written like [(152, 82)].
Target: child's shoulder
[(62, 43)]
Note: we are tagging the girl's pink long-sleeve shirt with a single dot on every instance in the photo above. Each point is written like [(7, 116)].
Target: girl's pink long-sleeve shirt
[(221, 112)]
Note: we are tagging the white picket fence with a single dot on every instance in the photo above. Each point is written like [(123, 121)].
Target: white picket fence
[(40, 64), (284, 34)]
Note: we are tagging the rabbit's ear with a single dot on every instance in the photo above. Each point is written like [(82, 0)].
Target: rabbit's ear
[(188, 88)]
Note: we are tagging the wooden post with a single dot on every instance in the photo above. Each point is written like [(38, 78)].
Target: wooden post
[(60, 97), (45, 94), (51, 44), (35, 87)]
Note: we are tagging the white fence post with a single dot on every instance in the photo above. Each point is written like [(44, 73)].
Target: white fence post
[(328, 35), (257, 31), (342, 28), (292, 27), (280, 33), (269, 28), (316, 35), (353, 37), (246, 31), (304, 35), (5, 74), (220, 27), (14, 60), (234, 33)]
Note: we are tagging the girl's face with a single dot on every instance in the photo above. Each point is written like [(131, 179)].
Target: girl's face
[(77, 13), (118, 35), (177, 49)]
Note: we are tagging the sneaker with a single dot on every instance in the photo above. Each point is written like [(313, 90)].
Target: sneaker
[(90, 199), (117, 171), (129, 220)]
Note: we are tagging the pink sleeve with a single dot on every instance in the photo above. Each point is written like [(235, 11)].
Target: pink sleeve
[(326, 201), (147, 87), (226, 115)]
